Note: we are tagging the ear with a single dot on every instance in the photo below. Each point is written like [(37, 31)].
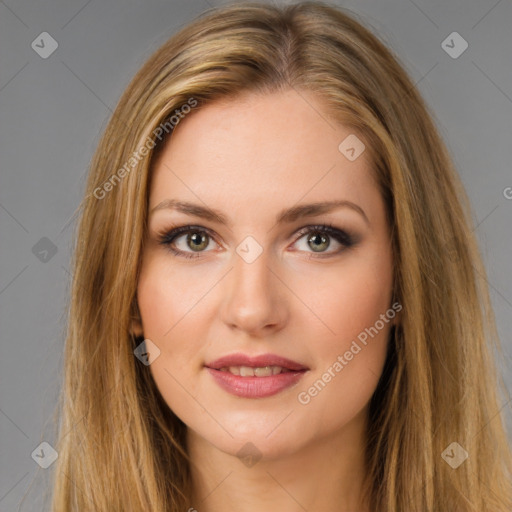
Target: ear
[(396, 306), (397, 320), (136, 328)]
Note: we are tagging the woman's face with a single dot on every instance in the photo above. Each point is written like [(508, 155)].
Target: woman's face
[(265, 282)]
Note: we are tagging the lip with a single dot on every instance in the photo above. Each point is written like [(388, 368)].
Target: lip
[(255, 361), (255, 387)]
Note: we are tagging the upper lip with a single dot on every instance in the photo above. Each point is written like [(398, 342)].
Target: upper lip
[(255, 362)]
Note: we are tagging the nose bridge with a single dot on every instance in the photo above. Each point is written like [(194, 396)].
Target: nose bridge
[(254, 297), (252, 276)]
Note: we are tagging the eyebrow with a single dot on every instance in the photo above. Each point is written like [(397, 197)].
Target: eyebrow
[(285, 216)]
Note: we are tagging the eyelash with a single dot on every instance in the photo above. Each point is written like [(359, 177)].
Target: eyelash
[(167, 237)]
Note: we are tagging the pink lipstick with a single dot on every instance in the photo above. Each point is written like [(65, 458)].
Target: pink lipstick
[(255, 377)]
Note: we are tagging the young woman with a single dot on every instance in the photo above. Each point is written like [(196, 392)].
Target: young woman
[(278, 302)]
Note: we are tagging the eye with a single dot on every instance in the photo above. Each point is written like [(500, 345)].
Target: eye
[(318, 238), (198, 238)]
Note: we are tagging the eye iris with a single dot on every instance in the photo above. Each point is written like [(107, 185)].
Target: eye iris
[(316, 237), (197, 240)]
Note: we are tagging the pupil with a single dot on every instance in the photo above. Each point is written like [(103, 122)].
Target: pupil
[(197, 239), (322, 238)]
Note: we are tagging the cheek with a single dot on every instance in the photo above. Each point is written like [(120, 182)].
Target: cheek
[(170, 303), (347, 371), (352, 303), (346, 299), (170, 308)]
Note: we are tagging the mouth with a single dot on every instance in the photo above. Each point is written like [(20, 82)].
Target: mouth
[(239, 361), (255, 377), (259, 371)]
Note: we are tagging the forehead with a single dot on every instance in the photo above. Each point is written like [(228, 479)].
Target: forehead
[(281, 146)]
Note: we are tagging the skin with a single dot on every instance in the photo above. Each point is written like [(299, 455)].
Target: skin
[(250, 158)]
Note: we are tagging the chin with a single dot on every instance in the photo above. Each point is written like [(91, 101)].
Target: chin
[(258, 447), (263, 440)]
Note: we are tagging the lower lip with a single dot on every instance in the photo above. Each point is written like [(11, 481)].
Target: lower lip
[(255, 387)]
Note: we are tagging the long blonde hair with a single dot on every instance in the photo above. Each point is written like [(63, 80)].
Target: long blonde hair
[(120, 446)]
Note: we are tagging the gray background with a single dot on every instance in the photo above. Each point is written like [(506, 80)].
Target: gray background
[(53, 110)]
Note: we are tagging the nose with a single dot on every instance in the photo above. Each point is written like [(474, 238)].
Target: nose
[(255, 297)]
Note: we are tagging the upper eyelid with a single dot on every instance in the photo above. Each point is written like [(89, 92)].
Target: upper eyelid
[(184, 229), (298, 233)]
